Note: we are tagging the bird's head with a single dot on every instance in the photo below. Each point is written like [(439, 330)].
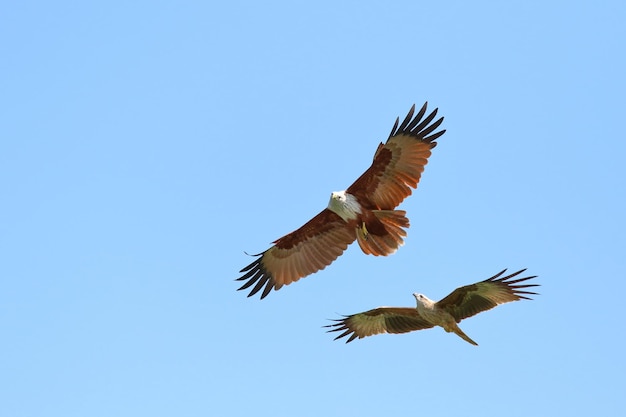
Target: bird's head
[(338, 196), (422, 299), (344, 204)]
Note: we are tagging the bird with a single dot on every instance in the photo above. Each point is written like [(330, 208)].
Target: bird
[(365, 211), (460, 304)]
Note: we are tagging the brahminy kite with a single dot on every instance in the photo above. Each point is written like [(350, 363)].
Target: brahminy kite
[(461, 303), (365, 211)]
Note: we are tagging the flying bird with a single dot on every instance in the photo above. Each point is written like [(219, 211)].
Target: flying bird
[(460, 304), (365, 211)]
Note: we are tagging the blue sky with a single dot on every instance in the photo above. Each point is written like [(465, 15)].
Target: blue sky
[(146, 145)]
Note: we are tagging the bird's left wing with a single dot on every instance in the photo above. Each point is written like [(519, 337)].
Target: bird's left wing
[(379, 320), (398, 164), (472, 299)]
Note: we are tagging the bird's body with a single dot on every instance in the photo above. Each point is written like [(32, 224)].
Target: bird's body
[(365, 211), (461, 303), (438, 316)]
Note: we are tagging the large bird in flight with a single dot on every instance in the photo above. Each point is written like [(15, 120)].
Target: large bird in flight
[(365, 211), (461, 303)]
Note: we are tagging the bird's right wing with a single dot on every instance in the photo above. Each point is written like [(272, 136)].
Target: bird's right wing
[(379, 320)]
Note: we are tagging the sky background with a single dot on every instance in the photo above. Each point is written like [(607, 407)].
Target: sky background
[(144, 146)]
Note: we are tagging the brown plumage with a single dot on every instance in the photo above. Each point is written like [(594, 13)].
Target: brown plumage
[(461, 303), (365, 211)]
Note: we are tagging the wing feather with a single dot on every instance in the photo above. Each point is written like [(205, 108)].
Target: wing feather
[(379, 320), (472, 299), (302, 252), (399, 163)]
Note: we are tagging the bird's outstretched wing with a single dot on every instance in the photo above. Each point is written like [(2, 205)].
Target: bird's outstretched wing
[(302, 252), (472, 299), (397, 167), (379, 320), (398, 164)]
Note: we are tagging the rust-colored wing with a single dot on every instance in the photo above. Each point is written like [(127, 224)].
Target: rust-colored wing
[(379, 320), (472, 299), (399, 163), (300, 253)]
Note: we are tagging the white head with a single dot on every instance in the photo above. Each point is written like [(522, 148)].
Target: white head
[(344, 204), (339, 196), (423, 300)]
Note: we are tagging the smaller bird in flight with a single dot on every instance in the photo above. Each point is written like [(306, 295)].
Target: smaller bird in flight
[(464, 302)]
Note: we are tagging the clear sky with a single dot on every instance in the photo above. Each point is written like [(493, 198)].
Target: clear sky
[(144, 146)]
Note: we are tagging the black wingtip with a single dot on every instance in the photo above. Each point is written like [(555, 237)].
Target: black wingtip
[(514, 284), (256, 274), (339, 325), (414, 125)]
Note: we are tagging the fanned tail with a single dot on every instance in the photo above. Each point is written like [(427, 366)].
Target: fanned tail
[(382, 232)]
